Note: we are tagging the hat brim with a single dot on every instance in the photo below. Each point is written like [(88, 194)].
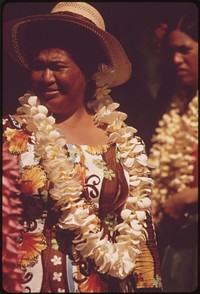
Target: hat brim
[(115, 53)]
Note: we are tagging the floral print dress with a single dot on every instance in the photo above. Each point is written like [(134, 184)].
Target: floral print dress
[(46, 252)]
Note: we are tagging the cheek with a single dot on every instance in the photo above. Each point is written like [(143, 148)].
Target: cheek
[(71, 81), (193, 63), (63, 79), (196, 61)]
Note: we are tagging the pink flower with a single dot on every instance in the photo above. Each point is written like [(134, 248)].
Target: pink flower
[(11, 212), (160, 32)]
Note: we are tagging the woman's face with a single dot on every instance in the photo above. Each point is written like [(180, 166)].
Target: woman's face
[(185, 57), (58, 81)]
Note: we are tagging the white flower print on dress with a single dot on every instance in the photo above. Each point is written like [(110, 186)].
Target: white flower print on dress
[(56, 260), (57, 276)]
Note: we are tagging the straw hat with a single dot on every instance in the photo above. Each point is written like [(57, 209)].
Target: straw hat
[(79, 14)]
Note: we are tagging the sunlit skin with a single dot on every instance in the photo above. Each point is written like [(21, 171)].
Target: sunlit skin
[(185, 58), (175, 205)]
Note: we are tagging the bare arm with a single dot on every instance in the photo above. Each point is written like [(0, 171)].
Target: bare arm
[(174, 205)]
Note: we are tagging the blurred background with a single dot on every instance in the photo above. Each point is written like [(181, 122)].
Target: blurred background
[(133, 24)]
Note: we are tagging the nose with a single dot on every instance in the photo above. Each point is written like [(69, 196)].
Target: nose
[(178, 58), (47, 76)]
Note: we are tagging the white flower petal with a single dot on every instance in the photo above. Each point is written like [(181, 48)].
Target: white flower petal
[(125, 214)]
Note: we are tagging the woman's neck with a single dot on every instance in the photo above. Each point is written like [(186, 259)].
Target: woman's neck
[(80, 129), (73, 119), (183, 96)]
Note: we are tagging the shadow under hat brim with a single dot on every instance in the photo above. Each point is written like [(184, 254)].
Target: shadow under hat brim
[(13, 43)]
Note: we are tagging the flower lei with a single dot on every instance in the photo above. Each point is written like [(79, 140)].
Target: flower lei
[(114, 257), (172, 153), (11, 230)]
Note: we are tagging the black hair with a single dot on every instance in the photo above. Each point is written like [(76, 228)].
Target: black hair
[(186, 23), (83, 46)]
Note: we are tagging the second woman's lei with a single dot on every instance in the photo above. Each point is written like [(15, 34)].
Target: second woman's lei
[(172, 154)]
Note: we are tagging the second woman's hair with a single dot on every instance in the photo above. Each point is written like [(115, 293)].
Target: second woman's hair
[(186, 23)]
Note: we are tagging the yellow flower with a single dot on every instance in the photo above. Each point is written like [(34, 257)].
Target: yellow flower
[(17, 140), (30, 248), (97, 149), (31, 179)]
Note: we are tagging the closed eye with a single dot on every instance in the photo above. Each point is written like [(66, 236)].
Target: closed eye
[(58, 67)]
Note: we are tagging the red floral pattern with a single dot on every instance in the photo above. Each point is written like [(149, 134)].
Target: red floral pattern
[(11, 212)]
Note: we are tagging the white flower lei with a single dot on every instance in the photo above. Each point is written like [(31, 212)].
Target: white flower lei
[(116, 258), (172, 153)]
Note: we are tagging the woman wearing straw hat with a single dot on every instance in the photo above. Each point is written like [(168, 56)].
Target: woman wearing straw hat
[(83, 178)]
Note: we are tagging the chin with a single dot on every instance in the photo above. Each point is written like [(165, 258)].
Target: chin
[(187, 82)]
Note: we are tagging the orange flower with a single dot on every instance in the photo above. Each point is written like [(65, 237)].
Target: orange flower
[(80, 169), (17, 140), (31, 246), (93, 284), (32, 178)]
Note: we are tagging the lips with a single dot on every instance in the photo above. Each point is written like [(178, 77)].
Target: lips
[(181, 71), (50, 93), (49, 90)]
